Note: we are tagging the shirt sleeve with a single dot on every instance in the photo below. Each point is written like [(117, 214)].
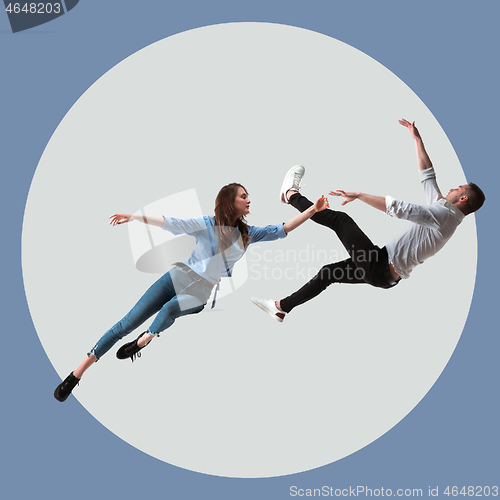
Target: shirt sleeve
[(184, 226), (419, 214), (429, 183), (267, 233)]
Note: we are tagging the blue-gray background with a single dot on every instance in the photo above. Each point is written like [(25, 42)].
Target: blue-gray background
[(446, 51)]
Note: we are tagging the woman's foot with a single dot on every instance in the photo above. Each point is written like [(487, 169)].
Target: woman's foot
[(132, 349), (63, 390)]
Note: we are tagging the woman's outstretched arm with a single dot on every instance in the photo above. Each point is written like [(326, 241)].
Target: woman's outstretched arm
[(153, 220), (321, 204)]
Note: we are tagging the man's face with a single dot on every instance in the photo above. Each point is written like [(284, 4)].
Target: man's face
[(455, 194)]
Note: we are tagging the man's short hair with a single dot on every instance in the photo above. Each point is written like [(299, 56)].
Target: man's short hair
[(475, 195)]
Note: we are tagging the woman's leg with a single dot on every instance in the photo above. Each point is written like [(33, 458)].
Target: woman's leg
[(161, 296), (188, 299), (151, 302), (89, 360), (180, 305)]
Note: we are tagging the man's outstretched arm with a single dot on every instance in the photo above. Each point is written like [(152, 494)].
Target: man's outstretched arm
[(424, 162), (419, 214), (427, 176), (377, 202)]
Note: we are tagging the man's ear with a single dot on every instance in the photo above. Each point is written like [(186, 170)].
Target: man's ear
[(464, 198)]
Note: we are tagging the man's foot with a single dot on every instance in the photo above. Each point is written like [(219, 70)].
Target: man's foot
[(292, 181), (269, 306), (63, 390), (130, 349)]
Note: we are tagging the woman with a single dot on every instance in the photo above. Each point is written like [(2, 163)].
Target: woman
[(220, 242)]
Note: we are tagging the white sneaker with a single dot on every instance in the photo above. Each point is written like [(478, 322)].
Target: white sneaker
[(269, 306), (292, 181)]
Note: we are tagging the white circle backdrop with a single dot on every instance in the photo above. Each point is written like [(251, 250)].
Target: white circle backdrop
[(231, 392)]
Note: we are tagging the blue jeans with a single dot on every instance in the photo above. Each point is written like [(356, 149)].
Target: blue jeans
[(175, 294)]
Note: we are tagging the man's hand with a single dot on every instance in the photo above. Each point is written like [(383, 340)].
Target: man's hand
[(351, 196), (411, 127), (423, 160)]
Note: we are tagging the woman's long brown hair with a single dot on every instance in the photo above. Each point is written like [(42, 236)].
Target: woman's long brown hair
[(224, 216)]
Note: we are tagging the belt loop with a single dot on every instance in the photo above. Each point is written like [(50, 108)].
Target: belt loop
[(215, 295)]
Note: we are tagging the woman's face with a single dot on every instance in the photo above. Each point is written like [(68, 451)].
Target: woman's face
[(241, 203)]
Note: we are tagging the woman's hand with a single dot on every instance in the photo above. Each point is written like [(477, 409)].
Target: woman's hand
[(153, 220), (116, 219), (350, 196), (321, 204)]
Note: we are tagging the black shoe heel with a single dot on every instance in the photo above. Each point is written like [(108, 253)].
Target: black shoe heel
[(63, 390)]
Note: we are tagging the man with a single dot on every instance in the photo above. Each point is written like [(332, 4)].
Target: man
[(432, 227)]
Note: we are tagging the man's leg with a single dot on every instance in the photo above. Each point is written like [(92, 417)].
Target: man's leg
[(364, 266), (338, 272), (355, 241)]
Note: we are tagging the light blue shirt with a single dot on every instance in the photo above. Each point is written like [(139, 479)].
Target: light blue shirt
[(206, 260)]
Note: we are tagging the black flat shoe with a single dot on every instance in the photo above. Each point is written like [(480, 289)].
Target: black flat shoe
[(131, 349), (63, 390)]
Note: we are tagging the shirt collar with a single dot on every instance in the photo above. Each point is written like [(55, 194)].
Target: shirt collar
[(456, 211)]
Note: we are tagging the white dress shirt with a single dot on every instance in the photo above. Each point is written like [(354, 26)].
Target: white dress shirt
[(432, 227)]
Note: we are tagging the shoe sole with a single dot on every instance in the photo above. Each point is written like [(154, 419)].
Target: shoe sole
[(283, 192), (260, 306)]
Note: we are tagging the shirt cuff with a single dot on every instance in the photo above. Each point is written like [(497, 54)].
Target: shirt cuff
[(389, 203), (281, 231), (426, 174)]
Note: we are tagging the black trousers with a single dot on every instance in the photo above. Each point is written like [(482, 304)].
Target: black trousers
[(368, 263)]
